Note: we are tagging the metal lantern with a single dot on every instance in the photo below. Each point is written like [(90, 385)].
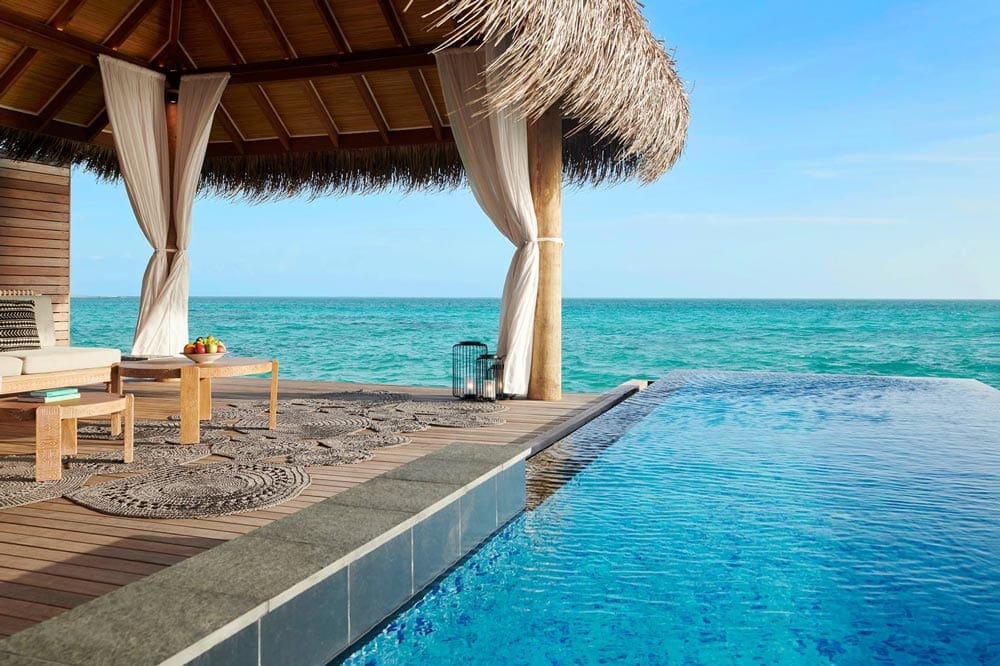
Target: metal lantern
[(463, 368), (489, 378)]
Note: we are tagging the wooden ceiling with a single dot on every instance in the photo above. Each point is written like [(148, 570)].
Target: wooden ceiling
[(306, 75)]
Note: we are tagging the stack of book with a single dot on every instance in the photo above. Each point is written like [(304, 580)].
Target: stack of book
[(52, 395)]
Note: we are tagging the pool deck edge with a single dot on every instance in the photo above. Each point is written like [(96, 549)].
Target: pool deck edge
[(305, 588)]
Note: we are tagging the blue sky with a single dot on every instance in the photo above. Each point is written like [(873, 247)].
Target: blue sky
[(846, 149)]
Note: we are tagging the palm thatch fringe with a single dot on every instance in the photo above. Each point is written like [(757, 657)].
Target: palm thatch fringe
[(257, 178), (595, 58), (28, 146)]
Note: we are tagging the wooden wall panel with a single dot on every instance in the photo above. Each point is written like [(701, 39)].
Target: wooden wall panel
[(34, 234)]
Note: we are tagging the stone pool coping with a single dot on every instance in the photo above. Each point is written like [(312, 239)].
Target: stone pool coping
[(303, 588)]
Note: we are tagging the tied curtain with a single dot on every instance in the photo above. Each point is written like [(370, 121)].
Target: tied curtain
[(135, 99), (494, 151)]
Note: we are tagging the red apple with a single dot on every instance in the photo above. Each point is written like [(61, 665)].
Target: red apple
[(199, 348)]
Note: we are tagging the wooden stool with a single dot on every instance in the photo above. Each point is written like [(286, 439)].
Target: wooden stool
[(55, 426)]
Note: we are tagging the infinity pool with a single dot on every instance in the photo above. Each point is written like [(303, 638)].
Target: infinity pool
[(748, 518)]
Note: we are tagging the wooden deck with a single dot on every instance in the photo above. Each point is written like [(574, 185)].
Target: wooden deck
[(55, 555)]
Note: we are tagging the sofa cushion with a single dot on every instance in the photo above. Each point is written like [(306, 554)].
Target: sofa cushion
[(10, 365), (56, 359), (18, 329)]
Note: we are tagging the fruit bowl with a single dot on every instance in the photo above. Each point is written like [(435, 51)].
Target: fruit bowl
[(204, 359)]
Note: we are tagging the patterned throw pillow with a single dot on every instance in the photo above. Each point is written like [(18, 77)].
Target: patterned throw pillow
[(18, 329)]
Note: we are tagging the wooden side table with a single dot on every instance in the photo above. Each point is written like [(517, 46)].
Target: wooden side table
[(196, 385), (55, 426)]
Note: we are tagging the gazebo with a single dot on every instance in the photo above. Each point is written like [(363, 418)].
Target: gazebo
[(263, 99)]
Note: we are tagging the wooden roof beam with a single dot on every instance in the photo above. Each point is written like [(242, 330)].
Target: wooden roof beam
[(264, 102), (230, 128), (319, 106), (16, 68), (361, 83), (260, 97), (174, 30), (340, 39), (332, 25), (275, 29), (319, 143), (313, 67), (416, 76), (97, 125), (84, 74), (57, 20), (65, 14), (80, 78), (129, 24), (43, 37), (29, 121), (225, 118)]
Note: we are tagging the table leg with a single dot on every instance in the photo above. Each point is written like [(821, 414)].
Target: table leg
[(116, 387), (48, 443), (272, 421), (69, 437), (205, 399), (190, 405), (129, 427)]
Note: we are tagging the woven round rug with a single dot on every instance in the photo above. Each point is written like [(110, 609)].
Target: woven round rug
[(146, 457), (460, 420), (321, 457), (397, 425), (18, 486), (449, 407), (308, 426), (356, 399), (259, 446), (148, 432), (196, 492), (366, 440)]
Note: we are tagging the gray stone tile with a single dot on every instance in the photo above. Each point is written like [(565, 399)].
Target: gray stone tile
[(441, 470), (479, 514), (380, 582), (511, 495), (436, 545), (240, 649), (395, 494), (491, 453), (141, 623), (310, 628), (336, 527), (252, 566)]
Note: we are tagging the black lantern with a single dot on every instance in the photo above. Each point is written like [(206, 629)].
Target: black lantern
[(463, 368), (489, 378)]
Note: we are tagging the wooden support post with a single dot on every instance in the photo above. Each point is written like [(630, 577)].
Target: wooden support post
[(545, 171), (171, 113)]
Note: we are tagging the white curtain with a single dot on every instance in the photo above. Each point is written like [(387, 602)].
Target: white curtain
[(135, 100), (494, 150)]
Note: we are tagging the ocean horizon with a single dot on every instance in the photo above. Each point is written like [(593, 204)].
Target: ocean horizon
[(606, 340)]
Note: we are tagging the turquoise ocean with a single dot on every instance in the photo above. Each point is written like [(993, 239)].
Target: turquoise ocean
[(408, 341)]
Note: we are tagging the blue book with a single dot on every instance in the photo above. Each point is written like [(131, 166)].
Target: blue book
[(48, 393)]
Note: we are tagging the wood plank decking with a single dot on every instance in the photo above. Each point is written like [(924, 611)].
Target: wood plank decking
[(55, 555)]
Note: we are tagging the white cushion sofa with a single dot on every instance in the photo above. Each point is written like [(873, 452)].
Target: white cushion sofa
[(51, 366)]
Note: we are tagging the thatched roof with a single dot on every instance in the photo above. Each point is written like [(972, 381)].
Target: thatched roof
[(343, 95)]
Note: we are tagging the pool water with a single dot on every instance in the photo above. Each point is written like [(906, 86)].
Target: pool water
[(754, 517)]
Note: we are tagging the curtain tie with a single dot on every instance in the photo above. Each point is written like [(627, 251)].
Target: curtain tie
[(546, 239)]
